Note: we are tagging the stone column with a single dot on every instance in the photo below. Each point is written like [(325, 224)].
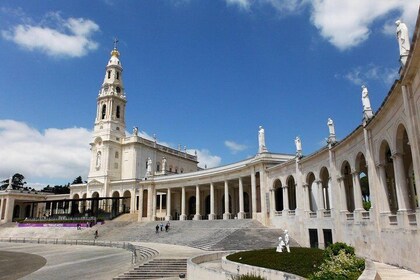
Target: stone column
[(140, 213), (160, 203), (328, 199), (254, 195), (8, 217), (306, 200), (320, 198), (358, 202), (149, 203), (285, 200), (400, 182), (133, 201), (383, 201), (226, 215), (168, 205), (343, 203), (211, 215), (1, 208), (241, 214), (183, 217), (154, 204), (197, 215)]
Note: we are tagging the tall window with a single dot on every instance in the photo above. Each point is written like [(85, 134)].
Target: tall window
[(103, 111), (118, 75), (109, 74), (118, 112)]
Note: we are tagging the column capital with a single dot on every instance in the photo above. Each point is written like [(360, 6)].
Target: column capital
[(318, 182), (396, 155), (305, 185), (340, 178)]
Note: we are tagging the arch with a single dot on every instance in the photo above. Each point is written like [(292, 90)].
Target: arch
[(127, 201), (117, 112), (312, 192), (278, 195), (403, 149), (115, 206), (361, 169), (291, 192), (348, 185), (324, 176), (103, 112), (95, 203), (388, 176), (75, 205)]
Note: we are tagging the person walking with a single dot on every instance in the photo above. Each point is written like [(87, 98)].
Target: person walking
[(157, 228)]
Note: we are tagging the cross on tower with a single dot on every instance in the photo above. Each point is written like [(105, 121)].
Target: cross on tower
[(115, 43)]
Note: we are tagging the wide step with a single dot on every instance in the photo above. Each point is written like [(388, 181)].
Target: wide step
[(157, 269)]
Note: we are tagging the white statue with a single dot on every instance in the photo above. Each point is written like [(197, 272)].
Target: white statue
[(281, 245), (331, 138), (331, 128), (403, 41), (286, 240), (298, 144), (10, 185), (149, 166), (367, 110), (135, 131), (261, 140), (163, 164)]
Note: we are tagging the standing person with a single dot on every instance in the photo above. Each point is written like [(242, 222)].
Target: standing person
[(166, 227), (161, 226), (157, 228), (95, 235)]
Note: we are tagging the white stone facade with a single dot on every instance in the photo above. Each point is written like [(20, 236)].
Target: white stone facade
[(318, 198)]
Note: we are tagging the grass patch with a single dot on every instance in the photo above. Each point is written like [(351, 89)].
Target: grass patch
[(300, 261)]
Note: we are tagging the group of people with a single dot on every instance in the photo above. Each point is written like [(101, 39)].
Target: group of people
[(161, 227), (88, 225)]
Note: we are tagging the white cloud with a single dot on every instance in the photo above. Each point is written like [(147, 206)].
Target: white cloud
[(286, 6), (362, 74), (54, 153), (241, 4), (235, 147), (205, 158), (346, 23), (56, 36)]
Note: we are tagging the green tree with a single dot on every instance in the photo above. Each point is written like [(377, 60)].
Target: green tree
[(18, 182), (78, 180)]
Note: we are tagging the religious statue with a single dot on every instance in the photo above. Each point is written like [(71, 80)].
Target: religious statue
[(10, 185), (286, 240), (403, 41), (149, 166), (367, 110), (298, 147), (261, 140), (331, 138), (331, 128), (280, 246), (163, 164), (135, 131), (98, 160)]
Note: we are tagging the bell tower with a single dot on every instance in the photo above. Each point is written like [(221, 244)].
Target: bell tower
[(109, 128)]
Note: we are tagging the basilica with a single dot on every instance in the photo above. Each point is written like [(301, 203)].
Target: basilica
[(362, 190)]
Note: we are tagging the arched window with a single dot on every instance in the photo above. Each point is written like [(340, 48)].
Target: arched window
[(118, 75), (117, 113), (157, 167), (103, 111), (109, 74)]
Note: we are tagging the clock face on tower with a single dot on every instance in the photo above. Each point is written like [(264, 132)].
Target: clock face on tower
[(118, 89)]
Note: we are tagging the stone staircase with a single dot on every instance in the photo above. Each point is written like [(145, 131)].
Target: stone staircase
[(157, 269)]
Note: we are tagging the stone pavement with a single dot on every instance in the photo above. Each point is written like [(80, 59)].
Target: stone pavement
[(388, 272), (70, 262)]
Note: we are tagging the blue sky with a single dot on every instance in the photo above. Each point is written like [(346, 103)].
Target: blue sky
[(200, 73)]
